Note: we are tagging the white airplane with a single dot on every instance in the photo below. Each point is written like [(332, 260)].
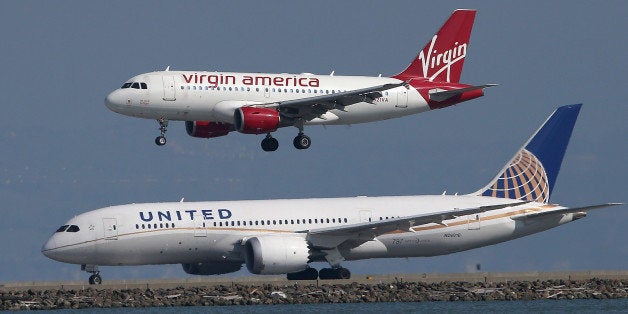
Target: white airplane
[(283, 236), (216, 103)]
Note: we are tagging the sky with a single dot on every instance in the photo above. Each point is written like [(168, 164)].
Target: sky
[(64, 153)]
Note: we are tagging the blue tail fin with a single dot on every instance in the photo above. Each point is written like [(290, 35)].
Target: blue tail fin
[(530, 175)]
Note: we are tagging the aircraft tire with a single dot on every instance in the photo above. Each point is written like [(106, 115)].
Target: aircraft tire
[(95, 279), (160, 140), (326, 273), (270, 144), (343, 273), (307, 274), (334, 273), (302, 141)]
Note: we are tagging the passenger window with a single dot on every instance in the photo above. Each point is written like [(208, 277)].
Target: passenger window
[(135, 85), (62, 228), (73, 228), (144, 86), (126, 85)]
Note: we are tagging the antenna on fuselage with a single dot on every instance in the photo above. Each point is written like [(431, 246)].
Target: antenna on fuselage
[(181, 201), (167, 68), (332, 73)]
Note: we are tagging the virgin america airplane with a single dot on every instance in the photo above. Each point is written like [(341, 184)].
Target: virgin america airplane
[(283, 236), (213, 104)]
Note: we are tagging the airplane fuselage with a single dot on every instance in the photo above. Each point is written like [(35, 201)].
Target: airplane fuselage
[(198, 96), (168, 233)]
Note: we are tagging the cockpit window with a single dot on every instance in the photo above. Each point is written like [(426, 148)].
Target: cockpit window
[(136, 85), (73, 228), (62, 228)]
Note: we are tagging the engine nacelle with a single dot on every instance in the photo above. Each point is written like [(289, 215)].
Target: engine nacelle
[(252, 120), (211, 268), (207, 129), (271, 255)]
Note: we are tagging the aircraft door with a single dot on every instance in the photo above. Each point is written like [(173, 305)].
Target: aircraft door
[(110, 228), (169, 90), (402, 98)]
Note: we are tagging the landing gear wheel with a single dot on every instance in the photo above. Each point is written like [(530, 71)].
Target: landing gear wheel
[(163, 127), (334, 273), (160, 140), (343, 273), (302, 141), (270, 144), (95, 279), (306, 274), (326, 273)]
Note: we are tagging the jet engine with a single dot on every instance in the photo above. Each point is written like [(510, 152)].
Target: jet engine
[(207, 129), (211, 268), (252, 120), (269, 255)]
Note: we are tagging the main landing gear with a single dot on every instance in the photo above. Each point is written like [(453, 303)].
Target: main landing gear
[(163, 127), (325, 273), (270, 144), (302, 141), (95, 278)]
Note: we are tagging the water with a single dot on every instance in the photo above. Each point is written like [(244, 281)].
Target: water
[(537, 306)]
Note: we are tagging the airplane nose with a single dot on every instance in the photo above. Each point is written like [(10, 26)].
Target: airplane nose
[(113, 101), (48, 248)]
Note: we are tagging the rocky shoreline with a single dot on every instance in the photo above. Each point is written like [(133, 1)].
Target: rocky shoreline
[(242, 294)]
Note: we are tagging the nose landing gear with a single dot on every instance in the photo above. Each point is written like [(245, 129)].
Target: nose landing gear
[(95, 278), (163, 127)]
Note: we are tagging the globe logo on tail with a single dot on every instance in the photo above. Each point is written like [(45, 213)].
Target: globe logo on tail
[(523, 179)]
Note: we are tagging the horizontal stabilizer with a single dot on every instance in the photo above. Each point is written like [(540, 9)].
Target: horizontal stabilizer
[(444, 95), (565, 211)]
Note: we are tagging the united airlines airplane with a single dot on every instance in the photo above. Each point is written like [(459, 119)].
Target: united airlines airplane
[(283, 236), (216, 103)]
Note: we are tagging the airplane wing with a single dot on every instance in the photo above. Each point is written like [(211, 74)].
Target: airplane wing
[(444, 95), (563, 211), (313, 107), (361, 232)]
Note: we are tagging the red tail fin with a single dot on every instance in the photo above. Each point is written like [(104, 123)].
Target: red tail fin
[(442, 58)]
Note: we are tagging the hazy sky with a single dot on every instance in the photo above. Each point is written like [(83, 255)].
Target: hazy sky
[(64, 153)]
